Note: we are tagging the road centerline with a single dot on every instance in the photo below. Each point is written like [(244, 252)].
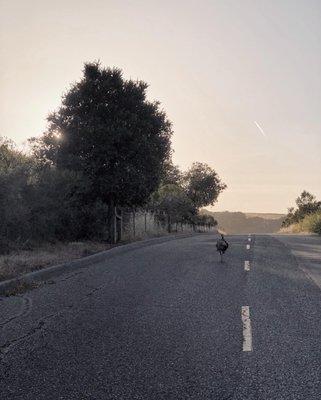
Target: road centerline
[(246, 265), (248, 247), (247, 330)]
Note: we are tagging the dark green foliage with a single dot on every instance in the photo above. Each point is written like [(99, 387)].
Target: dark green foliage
[(171, 174), (170, 205), (14, 191), (107, 130), (316, 224), (204, 220), (306, 205), (202, 185), (41, 203), (58, 205), (183, 194)]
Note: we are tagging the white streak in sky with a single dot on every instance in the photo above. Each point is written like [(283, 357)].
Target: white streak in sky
[(260, 129)]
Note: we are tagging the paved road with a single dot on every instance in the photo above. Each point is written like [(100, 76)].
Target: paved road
[(164, 322), (307, 251)]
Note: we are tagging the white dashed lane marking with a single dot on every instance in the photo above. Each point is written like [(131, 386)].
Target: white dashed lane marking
[(245, 313), (247, 330)]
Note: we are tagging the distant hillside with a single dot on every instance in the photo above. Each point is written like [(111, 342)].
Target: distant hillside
[(238, 222), (265, 215)]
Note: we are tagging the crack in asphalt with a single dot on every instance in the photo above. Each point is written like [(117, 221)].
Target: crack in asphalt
[(25, 309), (4, 349), (41, 324)]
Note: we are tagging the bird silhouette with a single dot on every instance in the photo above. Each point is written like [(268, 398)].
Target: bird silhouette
[(221, 246)]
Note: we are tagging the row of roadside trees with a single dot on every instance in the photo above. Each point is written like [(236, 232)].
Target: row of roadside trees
[(107, 149)]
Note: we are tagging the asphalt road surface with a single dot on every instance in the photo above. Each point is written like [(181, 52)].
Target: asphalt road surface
[(169, 321)]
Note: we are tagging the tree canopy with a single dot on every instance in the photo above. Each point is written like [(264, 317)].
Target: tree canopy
[(108, 130), (203, 185)]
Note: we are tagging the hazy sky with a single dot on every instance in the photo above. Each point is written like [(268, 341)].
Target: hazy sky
[(221, 69)]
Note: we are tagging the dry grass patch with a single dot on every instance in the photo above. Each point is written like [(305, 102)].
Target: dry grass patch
[(21, 287), (20, 262)]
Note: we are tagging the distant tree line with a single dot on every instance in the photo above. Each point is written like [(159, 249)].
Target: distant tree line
[(107, 148), (307, 213)]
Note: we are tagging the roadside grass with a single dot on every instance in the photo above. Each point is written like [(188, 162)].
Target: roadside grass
[(20, 262), (309, 224), (21, 287)]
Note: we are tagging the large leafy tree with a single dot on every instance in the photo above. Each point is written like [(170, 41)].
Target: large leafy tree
[(307, 203), (107, 130), (203, 185)]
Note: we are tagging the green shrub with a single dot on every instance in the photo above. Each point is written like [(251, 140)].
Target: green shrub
[(311, 223), (316, 223)]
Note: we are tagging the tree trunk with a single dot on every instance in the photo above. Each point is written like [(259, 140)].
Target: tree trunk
[(134, 223), (111, 222), (118, 225), (169, 225)]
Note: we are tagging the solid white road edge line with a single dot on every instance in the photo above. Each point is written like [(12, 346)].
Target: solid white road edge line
[(247, 247), (247, 331), (247, 265)]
